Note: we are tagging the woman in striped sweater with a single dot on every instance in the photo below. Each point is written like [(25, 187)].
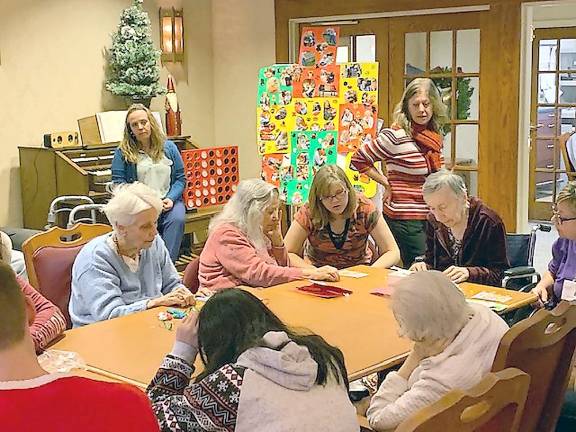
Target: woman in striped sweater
[(409, 150)]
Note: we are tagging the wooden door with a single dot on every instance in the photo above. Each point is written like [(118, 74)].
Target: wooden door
[(552, 113)]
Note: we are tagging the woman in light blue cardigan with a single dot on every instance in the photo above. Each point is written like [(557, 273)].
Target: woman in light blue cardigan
[(146, 156)]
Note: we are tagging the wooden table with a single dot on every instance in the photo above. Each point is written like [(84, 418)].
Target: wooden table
[(361, 325)]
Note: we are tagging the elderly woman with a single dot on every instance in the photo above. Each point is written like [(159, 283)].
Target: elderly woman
[(245, 244), (264, 375), (454, 347), (130, 269), (465, 238), (336, 224), (410, 150), (558, 282), (47, 321), (144, 155)]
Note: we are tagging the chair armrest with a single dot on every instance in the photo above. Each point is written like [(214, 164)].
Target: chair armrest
[(520, 271)]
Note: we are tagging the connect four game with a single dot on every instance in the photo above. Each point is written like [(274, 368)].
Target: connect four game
[(211, 176)]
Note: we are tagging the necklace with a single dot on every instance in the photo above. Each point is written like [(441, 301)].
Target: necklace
[(338, 240)]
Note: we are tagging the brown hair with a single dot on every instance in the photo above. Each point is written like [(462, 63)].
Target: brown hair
[(327, 176), (439, 110), (130, 146), (568, 194), (13, 320)]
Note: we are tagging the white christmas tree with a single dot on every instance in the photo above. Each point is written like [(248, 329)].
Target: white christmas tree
[(133, 59)]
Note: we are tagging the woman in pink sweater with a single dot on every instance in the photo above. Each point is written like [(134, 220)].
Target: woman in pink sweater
[(45, 319), (245, 244)]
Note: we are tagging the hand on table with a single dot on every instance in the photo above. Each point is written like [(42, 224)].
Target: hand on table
[(457, 274), (418, 266), (324, 273), (179, 297)]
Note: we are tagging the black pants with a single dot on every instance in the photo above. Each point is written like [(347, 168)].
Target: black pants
[(410, 236)]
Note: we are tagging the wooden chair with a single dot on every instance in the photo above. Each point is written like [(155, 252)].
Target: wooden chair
[(493, 405), (542, 346), (49, 257), (190, 279)]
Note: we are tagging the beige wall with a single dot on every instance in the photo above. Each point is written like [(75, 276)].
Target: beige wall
[(244, 41), (52, 73)]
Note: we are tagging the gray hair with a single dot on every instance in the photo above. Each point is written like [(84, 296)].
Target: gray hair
[(428, 306), (5, 248), (245, 210), (441, 178), (128, 200)]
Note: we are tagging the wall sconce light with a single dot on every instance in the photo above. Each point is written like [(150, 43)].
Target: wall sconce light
[(172, 35)]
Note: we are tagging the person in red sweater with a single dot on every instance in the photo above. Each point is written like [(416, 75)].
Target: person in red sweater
[(48, 323), (33, 400)]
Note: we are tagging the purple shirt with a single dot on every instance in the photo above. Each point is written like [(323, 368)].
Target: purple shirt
[(563, 264)]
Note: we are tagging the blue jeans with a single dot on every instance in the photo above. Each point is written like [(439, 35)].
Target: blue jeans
[(171, 228), (567, 420)]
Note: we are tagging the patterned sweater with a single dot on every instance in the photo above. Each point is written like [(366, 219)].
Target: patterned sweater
[(269, 388), (407, 171), (49, 322)]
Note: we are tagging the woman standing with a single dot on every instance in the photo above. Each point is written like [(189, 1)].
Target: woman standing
[(145, 155), (336, 222), (410, 150)]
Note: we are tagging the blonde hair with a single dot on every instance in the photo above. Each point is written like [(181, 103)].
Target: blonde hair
[(130, 146), (439, 110), (568, 194), (129, 199), (245, 210), (428, 306), (325, 178)]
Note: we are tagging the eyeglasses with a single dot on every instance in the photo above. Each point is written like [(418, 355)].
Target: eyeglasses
[(556, 216), (336, 196)]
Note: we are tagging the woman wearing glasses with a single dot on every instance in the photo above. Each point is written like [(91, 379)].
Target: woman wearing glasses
[(559, 282), (335, 225)]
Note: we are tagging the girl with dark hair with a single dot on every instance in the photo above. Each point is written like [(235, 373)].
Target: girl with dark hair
[(259, 374)]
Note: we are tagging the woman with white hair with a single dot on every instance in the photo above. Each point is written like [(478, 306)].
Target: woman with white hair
[(465, 238), (245, 244), (454, 347), (410, 149), (130, 269)]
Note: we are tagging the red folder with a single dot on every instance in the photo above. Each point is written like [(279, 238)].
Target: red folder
[(324, 291)]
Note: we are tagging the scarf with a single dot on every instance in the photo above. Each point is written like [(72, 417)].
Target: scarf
[(430, 144)]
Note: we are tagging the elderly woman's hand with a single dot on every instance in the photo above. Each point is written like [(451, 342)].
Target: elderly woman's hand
[(418, 266), (457, 274)]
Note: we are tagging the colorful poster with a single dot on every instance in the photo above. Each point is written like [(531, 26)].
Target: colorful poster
[(357, 126), (309, 151), (314, 114), (317, 82), (273, 166), (361, 182), (318, 46), (359, 83), (275, 84), (273, 127)]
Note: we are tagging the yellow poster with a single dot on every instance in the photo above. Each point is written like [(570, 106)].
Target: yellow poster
[(273, 128)]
